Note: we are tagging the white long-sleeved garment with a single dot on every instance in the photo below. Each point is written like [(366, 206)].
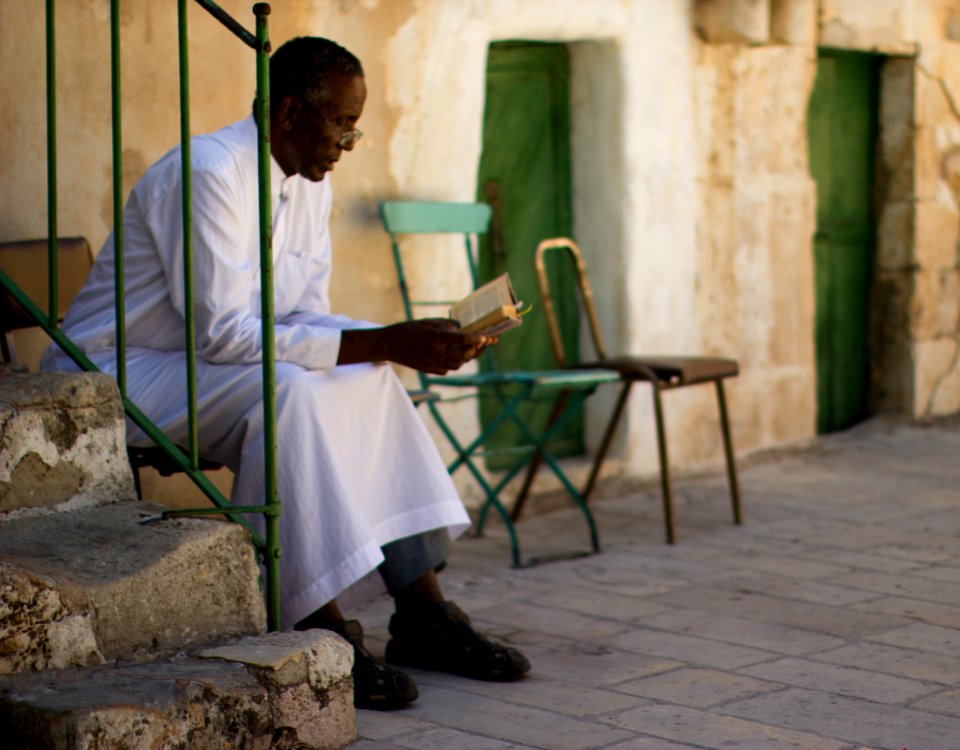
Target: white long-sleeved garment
[(357, 469)]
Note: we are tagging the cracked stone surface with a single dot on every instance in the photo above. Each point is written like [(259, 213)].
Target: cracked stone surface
[(62, 442), (192, 703)]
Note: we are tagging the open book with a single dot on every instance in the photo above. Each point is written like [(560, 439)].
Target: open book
[(490, 310)]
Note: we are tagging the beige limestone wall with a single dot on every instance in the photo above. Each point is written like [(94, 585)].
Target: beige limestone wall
[(755, 269), (692, 196)]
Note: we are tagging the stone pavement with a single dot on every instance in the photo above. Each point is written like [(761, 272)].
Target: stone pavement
[(829, 621)]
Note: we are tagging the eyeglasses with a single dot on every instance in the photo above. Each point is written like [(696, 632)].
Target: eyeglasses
[(346, 137)]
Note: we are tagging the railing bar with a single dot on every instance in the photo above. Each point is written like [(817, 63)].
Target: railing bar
[(53, 287), (118, 247), (186, 184), (227, 20), (272, 495)]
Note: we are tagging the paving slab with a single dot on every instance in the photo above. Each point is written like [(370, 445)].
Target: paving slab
[(830, 620)]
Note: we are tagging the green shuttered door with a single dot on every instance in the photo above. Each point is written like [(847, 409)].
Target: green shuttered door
[(842, 133), (525, 175)]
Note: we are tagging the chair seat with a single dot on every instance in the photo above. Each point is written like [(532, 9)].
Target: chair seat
[(164, 465), (583, 377), (675, 371)]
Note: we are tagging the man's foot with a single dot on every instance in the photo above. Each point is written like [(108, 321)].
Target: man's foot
[(443, 640), (375, 685)]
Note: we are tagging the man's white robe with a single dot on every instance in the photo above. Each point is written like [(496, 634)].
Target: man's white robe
[(357, 468)]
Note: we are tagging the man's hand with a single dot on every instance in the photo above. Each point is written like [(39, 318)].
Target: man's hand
[(433, 345)]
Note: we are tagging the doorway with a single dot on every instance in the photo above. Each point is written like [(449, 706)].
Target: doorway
[(525, 176), (842, 130)]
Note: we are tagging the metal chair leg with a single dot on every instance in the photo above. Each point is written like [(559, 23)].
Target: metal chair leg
[(607, 439), (665, 483), (728, 449), (536, 460)]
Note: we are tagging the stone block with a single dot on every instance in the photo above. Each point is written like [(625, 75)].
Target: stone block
[(192, 703), (792, 405), (949, 303), (793, 22), (733, 21), (896, 137), (925, 305), (792, 226), (926, 180), (932, 106), (38, 629), (937, 231), (877, 26), (895, 236), (108, 586), (937, 381), (62, 442)]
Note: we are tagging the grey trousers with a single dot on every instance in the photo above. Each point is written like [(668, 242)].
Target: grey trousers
[(413, 557)]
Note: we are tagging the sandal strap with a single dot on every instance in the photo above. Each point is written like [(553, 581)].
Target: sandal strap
[(445, 640)]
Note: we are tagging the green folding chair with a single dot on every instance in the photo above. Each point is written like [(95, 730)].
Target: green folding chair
[(567, 389)]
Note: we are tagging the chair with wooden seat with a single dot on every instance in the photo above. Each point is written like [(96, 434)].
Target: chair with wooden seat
[(25, 262), (663, 373)]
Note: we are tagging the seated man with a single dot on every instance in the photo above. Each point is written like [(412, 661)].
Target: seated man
[(362, 485)]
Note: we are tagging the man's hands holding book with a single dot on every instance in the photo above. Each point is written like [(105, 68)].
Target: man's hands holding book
[(431, 345)]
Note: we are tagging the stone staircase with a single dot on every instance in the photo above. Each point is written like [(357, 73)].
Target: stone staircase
[(119, 631)]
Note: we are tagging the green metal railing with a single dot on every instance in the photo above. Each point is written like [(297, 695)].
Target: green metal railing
[(268, 545)]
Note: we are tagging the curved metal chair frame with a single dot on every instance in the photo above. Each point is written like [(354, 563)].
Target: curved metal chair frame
[(664, 373)]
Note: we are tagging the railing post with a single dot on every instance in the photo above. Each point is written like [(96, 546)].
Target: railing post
[(117, 138), (272, 500), (186, 185), (53, 287)]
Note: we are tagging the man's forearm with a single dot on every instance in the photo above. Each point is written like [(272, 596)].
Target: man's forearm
[(434, 346), (363, 345)]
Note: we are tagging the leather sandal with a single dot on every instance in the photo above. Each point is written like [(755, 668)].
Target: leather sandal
[(375, 685), (443, 640)]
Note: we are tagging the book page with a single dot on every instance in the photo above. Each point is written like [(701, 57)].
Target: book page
[(491, 296)]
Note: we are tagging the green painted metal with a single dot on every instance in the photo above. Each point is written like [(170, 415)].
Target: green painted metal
[(186, 193), (269, 546), (436, 217), (118, 246), (404, 217), (509, 390), (227, 20), (272, 499), (842, 130), (51, 47), (525, 173)]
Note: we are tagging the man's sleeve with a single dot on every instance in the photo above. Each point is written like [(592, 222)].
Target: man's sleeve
[(227, 280)]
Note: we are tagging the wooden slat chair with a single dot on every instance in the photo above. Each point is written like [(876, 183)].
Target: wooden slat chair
[(507, 389), (664, 373), (25, 262)]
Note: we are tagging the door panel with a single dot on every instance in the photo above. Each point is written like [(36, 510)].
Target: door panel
[(525, 175), (842, 123)]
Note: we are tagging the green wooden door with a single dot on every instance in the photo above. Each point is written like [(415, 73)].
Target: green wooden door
[(841, 126), (525, 175)]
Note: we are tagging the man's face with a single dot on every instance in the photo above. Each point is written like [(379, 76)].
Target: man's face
[(317, 134)]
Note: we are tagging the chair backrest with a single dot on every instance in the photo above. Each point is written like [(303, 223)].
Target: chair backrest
[(433, 217), (585, 299), (25, 262)]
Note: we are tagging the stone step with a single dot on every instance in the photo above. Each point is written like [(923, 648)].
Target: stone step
[(274, 692), (62, 442), (95, 585)]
